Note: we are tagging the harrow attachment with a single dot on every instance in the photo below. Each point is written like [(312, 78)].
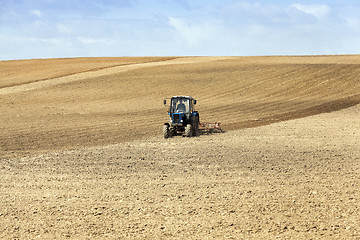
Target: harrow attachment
[(207, 127)]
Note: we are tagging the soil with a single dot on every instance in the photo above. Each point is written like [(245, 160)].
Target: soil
[(83, 157)]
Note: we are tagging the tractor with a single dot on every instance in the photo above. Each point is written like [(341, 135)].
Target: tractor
[(183, 119)]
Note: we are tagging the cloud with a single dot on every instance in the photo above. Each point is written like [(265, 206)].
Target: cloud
[(277, 28), (36, 13), (53, 9), (176, 3), (194, 33), (70, 28), (353, 22), (317, 10)]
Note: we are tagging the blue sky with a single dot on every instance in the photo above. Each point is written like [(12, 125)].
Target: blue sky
[(94, 28)]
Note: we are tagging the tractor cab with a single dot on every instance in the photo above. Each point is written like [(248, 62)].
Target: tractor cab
[(181, 107)]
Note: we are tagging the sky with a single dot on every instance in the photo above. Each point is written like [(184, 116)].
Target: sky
[(105, 28)]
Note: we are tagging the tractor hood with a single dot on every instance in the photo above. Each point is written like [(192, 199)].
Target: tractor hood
[(178, 118)]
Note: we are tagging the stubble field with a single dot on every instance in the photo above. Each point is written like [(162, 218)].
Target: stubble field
[(82, 154)]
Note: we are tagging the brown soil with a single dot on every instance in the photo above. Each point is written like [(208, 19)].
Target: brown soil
[(82, 155)]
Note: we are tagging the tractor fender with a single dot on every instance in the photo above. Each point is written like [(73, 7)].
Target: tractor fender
[(196, 114)]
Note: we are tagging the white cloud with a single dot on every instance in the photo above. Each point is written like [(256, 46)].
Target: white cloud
[(317, 10), (193, 33), (353, 22), (36, 13), (48, 28)]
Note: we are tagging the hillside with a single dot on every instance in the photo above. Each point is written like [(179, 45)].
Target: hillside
[(69, 103)]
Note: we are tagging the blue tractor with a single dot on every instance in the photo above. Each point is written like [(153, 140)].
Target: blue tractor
[(183, 119)]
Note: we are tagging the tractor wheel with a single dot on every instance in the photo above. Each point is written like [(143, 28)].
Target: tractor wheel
[(197, 130), (188, 130), (166, 131), (172, 132)]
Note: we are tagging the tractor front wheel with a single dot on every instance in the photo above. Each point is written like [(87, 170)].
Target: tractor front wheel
[(166, 131), (188, 130), (172, 132)]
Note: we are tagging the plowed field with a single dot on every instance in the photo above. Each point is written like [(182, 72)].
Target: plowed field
[(82, 154)]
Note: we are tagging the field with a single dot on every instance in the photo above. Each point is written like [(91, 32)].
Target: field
[(82, 156)]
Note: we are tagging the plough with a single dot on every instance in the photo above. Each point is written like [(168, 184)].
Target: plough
[(207, 127)]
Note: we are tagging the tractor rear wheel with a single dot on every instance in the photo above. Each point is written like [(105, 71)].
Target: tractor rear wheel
[(166, 131), (196, 128), (188, 130)]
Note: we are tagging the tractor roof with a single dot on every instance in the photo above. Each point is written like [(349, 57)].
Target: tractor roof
[(182, 97)]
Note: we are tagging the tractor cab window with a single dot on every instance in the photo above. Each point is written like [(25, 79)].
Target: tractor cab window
[(181, 105)]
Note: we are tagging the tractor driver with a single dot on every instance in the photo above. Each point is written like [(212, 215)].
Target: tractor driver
[(181, 107)]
